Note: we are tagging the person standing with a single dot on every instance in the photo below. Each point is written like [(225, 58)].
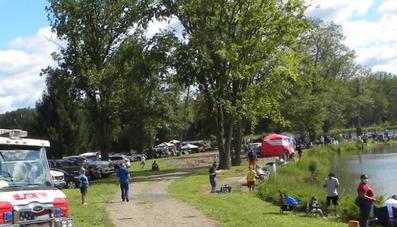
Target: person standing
[(251, 179), (83, 185), (212, 176), (124, 179), (252, 158), (365, 199), (322, 140), (143, 161), (331, 185)]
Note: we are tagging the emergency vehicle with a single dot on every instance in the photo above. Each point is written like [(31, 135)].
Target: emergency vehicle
[(27, 193)]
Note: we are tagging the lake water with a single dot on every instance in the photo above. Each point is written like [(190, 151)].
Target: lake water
[(380, 164)]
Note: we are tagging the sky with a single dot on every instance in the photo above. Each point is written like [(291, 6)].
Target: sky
[(26, 41)]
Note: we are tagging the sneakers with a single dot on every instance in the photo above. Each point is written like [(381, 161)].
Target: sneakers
[(128, 200)]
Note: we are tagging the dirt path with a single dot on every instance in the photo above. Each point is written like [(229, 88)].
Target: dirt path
[(151, 205)]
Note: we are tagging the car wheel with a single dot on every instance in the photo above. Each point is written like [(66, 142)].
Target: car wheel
[(71, 184)]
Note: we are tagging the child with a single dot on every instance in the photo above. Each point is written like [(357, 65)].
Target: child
[(83, 185), (212, 175), (251, 179), (143, 161), (314, 207)]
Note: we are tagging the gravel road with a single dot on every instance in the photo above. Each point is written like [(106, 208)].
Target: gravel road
[(151, 205)]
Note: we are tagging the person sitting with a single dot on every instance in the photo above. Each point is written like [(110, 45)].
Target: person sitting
[(314, 207), (155, 166), (390, 203)]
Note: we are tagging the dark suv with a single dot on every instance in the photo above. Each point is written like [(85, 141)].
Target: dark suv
[(69, 166), (96, 169), (103, 168)]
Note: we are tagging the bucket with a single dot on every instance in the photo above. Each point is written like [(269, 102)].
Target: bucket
[(353, 223)]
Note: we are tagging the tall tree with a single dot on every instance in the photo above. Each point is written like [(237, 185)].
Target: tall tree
[(240, 56), (20, 119), (93, 31), (318, 100), (148, 96), (60, 116)]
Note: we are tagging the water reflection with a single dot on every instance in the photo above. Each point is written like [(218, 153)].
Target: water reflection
[(380, 164)]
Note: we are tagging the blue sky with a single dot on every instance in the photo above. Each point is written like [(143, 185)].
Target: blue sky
[(26, 41), (20, 18)]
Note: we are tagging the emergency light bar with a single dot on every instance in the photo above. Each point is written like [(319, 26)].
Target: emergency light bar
[(13, 133)]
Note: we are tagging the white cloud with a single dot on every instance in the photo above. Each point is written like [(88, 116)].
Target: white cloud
[(388, 6), (20, 67), (375, 40), (43, 42), (337, 10)]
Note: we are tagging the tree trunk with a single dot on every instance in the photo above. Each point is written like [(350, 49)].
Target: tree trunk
[(223, 136), (228, 142), (236, 158)]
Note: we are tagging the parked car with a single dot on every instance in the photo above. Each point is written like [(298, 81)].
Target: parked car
[(69, 166), (70, 179), (117, 159), (95, 169), (58, 178), (82, 161), (201, 145), (98, 168), (148, 153)]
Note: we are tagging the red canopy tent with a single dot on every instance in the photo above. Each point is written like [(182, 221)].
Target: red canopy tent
[(276, 145)]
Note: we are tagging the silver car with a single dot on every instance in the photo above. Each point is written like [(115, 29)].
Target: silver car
[(118, 159)]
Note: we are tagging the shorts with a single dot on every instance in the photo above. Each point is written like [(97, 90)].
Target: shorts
[(252, 162), (83, 190), (250, 184), (333, 199)]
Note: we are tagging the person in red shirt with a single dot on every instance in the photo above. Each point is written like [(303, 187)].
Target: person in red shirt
[(365, 200)]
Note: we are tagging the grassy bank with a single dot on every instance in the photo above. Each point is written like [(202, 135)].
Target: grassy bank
[(238, 208), (305, 177), (101, 192)]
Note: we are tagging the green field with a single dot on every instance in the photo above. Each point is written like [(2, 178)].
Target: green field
[(238, 208)]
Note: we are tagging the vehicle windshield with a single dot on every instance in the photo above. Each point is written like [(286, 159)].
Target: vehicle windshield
[(91, 158), (21, 168)]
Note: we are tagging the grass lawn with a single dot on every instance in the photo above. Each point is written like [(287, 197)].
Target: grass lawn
[(238, 208), (102, 191)]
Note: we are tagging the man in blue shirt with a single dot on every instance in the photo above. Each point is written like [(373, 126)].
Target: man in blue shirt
[(124, 179)]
